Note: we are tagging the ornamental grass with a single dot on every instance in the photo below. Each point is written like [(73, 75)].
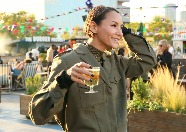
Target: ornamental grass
[(167, 90), (162, 92)]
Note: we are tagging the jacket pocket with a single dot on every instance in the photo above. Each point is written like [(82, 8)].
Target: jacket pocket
[(115, 78), (92, 99), (117, 85)]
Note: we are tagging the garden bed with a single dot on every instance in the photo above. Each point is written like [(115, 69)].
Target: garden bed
[(156, 121)]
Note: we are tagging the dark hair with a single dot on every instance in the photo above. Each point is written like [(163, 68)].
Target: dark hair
[(121, 51), (97, 14), (28, 60), (30, 53)]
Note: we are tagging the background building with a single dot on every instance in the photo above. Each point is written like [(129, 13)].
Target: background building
[(124, 10), (179, 38), (183, 16), (170, 12)]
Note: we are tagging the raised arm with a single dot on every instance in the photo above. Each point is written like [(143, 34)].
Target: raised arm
[(144, 58)]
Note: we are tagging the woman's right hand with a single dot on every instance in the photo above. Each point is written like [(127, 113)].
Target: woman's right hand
[(79, 73)]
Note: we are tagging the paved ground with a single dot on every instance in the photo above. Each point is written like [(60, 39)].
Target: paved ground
[(12, 121)]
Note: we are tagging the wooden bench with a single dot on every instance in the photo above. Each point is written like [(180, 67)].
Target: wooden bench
[(5, 77), (29, 70)]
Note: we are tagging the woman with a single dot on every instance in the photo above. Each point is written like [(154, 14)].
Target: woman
[(64, 93), (164, 57)]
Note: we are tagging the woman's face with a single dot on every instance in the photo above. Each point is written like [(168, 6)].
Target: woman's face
[(108, 32), (161, 47)]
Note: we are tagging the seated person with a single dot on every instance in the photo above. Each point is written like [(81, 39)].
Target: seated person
[(31, 57), (16, 62), (17, 72)]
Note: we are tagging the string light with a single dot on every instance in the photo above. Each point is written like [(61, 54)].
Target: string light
[(89, 5)]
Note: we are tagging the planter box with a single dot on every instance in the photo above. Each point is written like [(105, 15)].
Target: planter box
[(24, 101), (156, 121), (24, 104)]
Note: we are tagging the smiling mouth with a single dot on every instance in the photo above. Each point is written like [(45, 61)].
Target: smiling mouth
[(116, 40)]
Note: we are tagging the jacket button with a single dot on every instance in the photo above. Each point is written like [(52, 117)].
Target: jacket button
[(116, 78)]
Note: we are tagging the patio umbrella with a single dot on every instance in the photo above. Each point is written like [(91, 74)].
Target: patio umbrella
[(140, 29)]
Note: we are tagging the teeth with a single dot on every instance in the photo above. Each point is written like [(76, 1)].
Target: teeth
[(116, 40)]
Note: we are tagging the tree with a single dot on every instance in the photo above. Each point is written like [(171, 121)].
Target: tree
[(76, 32), (133, 26), (160, 28), (20, 25), (65, 35)]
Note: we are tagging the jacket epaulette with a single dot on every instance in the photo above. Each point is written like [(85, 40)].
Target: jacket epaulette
[(62, 53)]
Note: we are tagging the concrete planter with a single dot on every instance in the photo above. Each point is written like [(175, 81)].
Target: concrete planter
[(156, 121), (24, 104)]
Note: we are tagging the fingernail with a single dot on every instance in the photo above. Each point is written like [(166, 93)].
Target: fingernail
[(92, 75), (90, 80), (90, 67)]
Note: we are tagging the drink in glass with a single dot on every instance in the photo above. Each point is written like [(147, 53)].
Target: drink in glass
[(95, 80)]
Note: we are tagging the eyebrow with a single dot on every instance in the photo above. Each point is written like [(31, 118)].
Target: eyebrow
[(117, 23), (114, 22)]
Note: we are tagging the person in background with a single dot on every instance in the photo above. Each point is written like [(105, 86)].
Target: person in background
[(35, 53), (17, 71), (55, 51), (61, 49), (27, 53), (164, 57), (1, 61), (40, 59), (17, 62), (68, 48), (50, 56), (31, 56), (63, 94)]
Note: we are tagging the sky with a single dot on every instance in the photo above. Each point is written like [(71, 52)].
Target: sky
[(147, 12), (58, 7)]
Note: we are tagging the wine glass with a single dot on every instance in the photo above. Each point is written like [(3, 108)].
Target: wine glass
[(95, 80)]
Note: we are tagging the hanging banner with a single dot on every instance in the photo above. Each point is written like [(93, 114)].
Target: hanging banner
[(43, 39)]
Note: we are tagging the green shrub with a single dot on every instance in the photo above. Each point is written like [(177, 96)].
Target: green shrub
[(33, 84), (141, 96), (42, 57)]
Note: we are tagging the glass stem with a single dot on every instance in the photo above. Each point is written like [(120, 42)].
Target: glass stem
[(91, 88)]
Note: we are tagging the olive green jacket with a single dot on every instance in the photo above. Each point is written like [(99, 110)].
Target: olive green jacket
[(105, 111)]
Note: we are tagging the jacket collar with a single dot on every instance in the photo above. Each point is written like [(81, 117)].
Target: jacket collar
[(87, 57)]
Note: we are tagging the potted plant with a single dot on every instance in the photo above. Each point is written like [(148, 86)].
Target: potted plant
[(32, 85), (158, 105)]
